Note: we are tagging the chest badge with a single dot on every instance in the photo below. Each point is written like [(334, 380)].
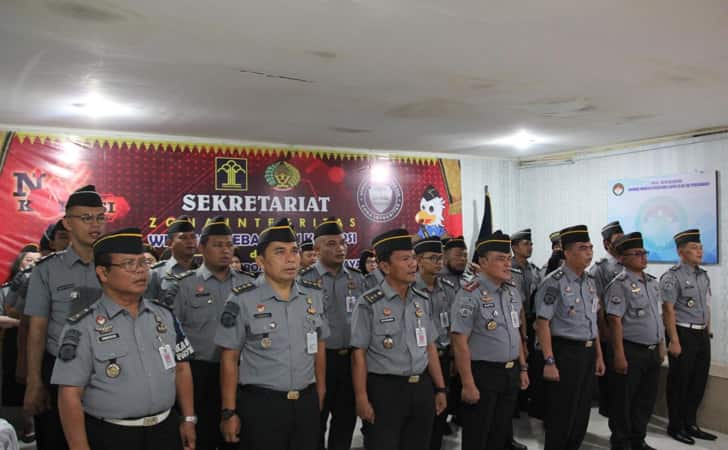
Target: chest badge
[(113, 370), (266, 342), (260, 308), (161, 327), (568, 289), (311, 310), (691, 303), (309, 300), (388, 342), (387, 311), (200, 289), (492, 325)]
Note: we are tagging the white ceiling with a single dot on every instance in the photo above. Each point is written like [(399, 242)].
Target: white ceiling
[(430, 75)]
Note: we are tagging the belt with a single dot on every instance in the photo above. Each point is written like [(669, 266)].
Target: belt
[(142, 421), (497, 365), (411, 379), (647, 346), (290, 395), (692, 326), (339, 351), (587, 344)]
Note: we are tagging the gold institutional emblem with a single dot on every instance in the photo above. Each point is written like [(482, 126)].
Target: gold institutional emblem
[(311, 310), (231, 174), (282, 176), (691, 303), (266, 342), (113, 370), (492, 325), (388, 342), (419, 313)]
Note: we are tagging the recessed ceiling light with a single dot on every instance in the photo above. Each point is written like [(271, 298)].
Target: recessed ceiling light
[(97, 106), (520, 140)]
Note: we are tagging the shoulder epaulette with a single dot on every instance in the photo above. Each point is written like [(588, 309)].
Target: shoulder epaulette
[(353, 269), (650, 276), (589, 274), (183, 275), (306, 270), (622, 276), (470, 287), (516, 270), (79, 315), (557, 274), (311, 283), (447, 282), (243, 288), (675, 268), (162, 304), (47, 257), (534, 266), (245, 272), (373, 296), (601, 261), (420, 293), (701, 269), (509, 283), (159, 264)]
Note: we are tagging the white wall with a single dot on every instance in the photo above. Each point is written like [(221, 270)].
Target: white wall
[(550, 198)]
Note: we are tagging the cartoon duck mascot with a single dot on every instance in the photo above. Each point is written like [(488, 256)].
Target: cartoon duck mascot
[(430, 215)]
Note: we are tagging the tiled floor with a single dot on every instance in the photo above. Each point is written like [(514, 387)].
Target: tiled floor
[(530, 432)]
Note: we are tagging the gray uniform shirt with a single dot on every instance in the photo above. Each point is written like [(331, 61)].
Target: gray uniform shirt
[(105, 334), (489, 315), (688, 289), (570, 303), (160, 276), (451, 276), (340, 293), (271, 334), (53, 291), (637, 302), (441, 298), (199, 304), (373, 279), (526, 279), (382, 318), (604, 272)]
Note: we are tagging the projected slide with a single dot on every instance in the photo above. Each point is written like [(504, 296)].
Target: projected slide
[(660, 207)]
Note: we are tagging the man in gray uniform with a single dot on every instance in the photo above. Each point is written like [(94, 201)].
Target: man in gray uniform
[(603, 272), (442, 294), (272, 333), (455, 260), (122, 361), (395, 362), (54, 292), (182, 242), (638, 343), (489, 352), (341, 287), (566, 307), (686, 313), (557, 255), (198, 305), (526, 276)]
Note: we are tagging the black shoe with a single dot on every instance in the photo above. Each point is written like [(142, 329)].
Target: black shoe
[(516, 445), (642, 446), (681, 436), (697, 433)]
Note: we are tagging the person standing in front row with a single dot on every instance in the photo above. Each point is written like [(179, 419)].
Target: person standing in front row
[(398, 383), (489, 352), (273, 359), (686, 313), (122, 361), (566, 307), (638, 343)]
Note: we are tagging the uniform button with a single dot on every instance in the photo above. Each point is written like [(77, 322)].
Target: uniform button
[(578, 300)]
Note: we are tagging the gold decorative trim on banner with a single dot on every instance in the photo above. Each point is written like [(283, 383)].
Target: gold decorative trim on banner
[(121, 143)]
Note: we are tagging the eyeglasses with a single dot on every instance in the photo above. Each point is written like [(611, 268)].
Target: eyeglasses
[(637, 254), (131, 265), (88, 218), (434, 259)]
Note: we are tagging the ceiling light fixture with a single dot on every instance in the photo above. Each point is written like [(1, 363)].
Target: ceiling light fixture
[(520, 140), (97, 106)]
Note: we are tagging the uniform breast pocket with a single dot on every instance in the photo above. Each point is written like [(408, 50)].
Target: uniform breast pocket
[(65, 295), (263, 332), (567, 305), (109, 357), (638, 305), (384, 326), (202, 310), (312, 323)]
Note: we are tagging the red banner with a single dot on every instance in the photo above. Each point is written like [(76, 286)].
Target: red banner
[(147, 184)]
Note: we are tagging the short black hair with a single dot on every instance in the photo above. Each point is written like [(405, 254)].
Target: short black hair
[(204, 239), (103, 260)]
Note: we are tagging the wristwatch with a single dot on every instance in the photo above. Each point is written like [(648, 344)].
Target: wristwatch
[(549, 361), (191, 419), (226, 414)]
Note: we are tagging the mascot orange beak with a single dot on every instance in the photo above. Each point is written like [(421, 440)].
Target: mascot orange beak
[(423, 217)]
